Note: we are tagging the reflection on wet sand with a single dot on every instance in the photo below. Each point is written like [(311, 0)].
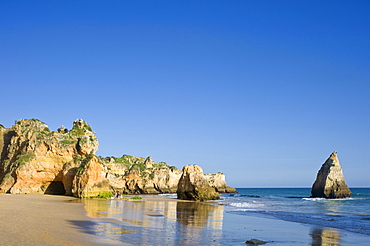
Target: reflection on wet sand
[(325, 237), (157, 221), (199, 214), (192, 216)]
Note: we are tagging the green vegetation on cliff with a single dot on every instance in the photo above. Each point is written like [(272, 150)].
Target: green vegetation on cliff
[(22, 159), (30, 151), (103, 195), (83, 161)]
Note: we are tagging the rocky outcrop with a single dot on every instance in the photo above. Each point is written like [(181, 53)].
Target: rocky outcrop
[(136, 175), (91, 180), (330, 181), (37, 160), (218, 181), (193, 185)]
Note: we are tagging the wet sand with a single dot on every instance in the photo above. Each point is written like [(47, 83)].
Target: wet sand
[(155, 220), (45, 220), (162, 221)]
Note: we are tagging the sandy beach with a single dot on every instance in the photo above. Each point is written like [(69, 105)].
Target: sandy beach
[(154, 220), (44, 220)]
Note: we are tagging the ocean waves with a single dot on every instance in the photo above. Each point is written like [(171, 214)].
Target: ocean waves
[(294, 204)]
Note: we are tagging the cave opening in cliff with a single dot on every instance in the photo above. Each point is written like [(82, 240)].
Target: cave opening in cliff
[(55, 188)]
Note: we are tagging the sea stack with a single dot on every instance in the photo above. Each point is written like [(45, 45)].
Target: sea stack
[(330, 181), (193, 185)]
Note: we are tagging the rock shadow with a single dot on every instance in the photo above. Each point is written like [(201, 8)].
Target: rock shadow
[(85, 226), (55, 188)]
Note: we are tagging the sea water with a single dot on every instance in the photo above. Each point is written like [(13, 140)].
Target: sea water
[(294, 204)]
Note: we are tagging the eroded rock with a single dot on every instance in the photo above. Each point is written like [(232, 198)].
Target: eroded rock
[(330, 181), (37, 160), (218, 181), (193, 185), (90, 180), (33, 158)]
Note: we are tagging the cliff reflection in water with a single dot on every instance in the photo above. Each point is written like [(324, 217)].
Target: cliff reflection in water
[(193, 216), (325, 237), (157, 221), (199, 214)]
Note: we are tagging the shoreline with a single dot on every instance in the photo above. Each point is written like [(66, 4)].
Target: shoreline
[(154, 220), (157, 220), (36, 219)]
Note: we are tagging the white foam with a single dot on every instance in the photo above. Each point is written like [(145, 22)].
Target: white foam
[(324, 199), (169, 195), (245, 205), (313, 198)]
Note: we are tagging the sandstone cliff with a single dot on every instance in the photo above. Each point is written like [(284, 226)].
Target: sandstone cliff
[(193, 185), (330, 181), (136, 175), (218, 181), (37, 160)]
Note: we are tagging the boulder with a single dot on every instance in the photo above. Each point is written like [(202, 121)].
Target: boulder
[(330, 181), (254, 241), (193, 185)]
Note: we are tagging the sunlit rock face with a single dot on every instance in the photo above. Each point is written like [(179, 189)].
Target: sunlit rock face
[(218, 181), (34, 159), (193, 185), (90, 180), (137, 175), (330, 181), (37, 160)]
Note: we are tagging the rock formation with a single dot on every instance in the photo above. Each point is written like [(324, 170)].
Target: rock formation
[(34, 159), (193, 185), (330, 181), (218, 182), (136, 175)]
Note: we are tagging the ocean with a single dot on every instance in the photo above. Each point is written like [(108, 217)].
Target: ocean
[(294, 204)]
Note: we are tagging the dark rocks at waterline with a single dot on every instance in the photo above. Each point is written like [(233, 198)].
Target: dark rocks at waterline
[(254, 241)]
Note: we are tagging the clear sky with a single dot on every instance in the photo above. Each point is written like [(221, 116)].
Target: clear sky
[(262, 91)]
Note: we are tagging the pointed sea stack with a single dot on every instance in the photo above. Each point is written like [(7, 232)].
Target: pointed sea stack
[(330, 181)]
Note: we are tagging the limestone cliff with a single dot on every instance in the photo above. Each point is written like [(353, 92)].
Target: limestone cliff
[(136, 175), (193, 185), (37, 160), (218, 181), (330, 181)]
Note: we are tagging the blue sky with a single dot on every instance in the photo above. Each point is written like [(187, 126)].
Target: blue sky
[(262, 91)]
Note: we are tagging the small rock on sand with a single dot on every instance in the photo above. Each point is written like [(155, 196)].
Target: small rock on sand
[(255, 242)]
